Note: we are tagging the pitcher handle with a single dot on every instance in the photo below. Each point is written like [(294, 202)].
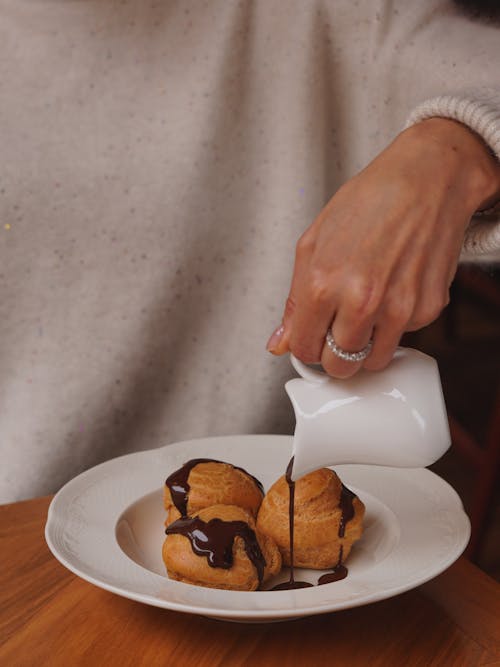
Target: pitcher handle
[(308, 373)]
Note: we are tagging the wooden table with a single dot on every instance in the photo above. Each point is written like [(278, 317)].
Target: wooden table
[(49, 616)]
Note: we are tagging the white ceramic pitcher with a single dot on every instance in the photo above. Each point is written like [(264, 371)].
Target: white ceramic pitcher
[(395, 417)]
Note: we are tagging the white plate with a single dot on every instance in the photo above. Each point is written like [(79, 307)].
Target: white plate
[(106, 526)]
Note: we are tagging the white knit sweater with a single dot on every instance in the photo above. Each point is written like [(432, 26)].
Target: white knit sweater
[(479, 110), (159, 162)]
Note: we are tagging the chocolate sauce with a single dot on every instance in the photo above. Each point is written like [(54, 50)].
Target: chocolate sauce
[(347, 507), (339, 571), (291, 584), (214, 539), (178, 484)]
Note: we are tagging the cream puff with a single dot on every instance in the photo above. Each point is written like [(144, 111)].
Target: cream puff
[(328, 519), (201, 483), (220, 547)]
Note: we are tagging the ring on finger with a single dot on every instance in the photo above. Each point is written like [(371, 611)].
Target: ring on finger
[(344, 354)]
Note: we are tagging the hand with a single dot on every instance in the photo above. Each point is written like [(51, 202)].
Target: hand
[(380, 257)]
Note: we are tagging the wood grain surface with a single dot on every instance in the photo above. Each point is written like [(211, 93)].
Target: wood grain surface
[(50, 617)]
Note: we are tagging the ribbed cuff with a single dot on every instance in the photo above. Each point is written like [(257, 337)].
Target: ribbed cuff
[(480, 111)]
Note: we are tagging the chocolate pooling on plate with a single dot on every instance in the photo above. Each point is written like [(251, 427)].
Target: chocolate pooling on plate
[(339, 571), (214, 539), (178, 485)]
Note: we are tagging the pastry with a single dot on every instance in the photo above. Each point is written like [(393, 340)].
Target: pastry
[(220, 547), (328, 519), (201, 483)]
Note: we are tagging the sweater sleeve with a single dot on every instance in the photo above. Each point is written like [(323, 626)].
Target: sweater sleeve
[(480, 111)]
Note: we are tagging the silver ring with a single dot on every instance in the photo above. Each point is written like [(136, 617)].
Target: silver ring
[(343, 354)]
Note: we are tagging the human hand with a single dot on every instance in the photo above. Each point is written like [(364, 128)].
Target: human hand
[(380, 257)]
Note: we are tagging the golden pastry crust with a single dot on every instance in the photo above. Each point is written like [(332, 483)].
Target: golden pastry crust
[(317, 520), (184, 565), (214, 483)]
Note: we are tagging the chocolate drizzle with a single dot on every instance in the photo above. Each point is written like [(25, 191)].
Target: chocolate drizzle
[(178, 485), (347, 508), (214, 539), (291, 584)]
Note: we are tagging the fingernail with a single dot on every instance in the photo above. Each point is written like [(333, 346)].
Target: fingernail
[(276, 336)]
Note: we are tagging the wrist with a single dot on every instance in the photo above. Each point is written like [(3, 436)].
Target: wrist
[(463, 153)]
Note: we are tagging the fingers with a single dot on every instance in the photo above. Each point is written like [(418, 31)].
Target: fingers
[(384, 329), (313, 315), (313, 297), (377, 308), (298, 302), (391, 322), (352, 331), (417, 293), (434, 293), (362, 308), (385, 341)]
